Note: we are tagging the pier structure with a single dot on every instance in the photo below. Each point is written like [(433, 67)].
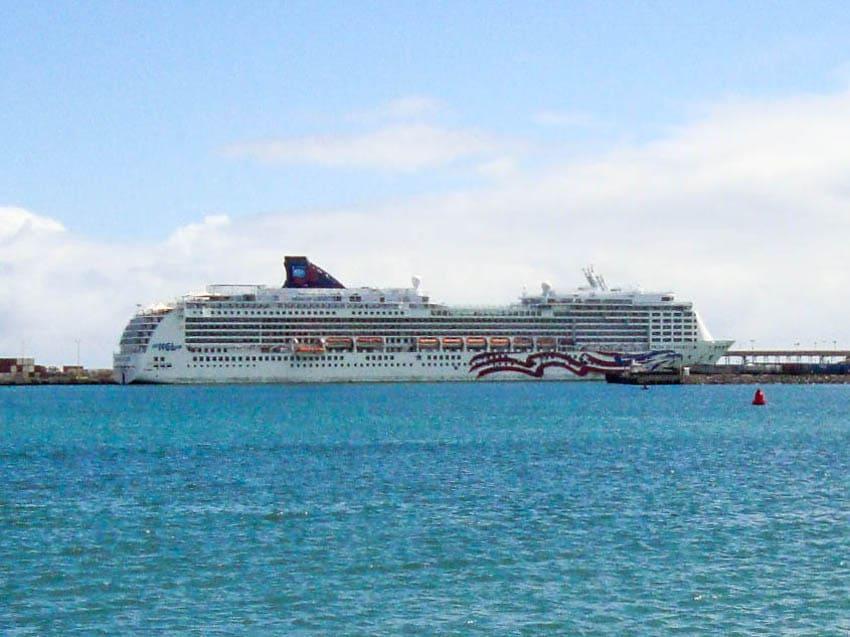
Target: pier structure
[(766, 357), (776, 366)]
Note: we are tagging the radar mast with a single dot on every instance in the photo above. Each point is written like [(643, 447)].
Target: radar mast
[(596, 281)]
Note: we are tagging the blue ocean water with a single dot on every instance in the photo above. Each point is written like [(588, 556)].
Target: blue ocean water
[(452, 509)]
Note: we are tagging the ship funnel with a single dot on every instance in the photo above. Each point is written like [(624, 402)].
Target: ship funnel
[(300, 273), (416, 280)]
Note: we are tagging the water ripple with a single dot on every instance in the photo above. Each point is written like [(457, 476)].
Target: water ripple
[(578, 509)]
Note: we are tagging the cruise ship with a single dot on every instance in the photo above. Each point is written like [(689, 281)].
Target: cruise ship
[(314, 329)]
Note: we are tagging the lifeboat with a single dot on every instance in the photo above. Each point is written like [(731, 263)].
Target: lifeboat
[(500, 342), (476, 343), (370, 342), (308, 349), (427, 342), (545, 342), (523, 342), (338, 342), (452, 342)]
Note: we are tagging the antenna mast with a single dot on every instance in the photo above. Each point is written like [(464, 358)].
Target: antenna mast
[(596, 281)]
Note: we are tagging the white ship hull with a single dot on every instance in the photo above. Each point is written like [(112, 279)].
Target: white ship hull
[(350, 367), (313, 330)]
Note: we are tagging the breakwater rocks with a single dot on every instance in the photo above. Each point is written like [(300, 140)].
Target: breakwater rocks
[(82, 377), (765, 379)]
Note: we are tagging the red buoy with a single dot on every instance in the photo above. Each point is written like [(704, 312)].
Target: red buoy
[(759, 399)]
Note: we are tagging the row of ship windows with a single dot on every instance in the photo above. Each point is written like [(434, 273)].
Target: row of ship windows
[(328, 357), (407, 336), (233, 343), (457, 314), (410, 336), (146, 320), (311, 313), (371, 358), (299, 364), (442, 317), (221, 350), (413, 321), (336, 357), (277, 337), (283, 337), (198, 343), (430, 324), (270, 312), (316, 364), (302, 308), (382, 302), (235, 336), (413, 328), (238, 359), (272, 358), (143, 327), (320, 308), (598, 309)]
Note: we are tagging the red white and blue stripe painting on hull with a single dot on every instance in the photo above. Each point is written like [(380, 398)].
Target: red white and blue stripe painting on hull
[(580, 363)]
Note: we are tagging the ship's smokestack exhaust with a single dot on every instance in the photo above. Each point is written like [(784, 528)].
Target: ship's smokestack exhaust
[(300, 273)]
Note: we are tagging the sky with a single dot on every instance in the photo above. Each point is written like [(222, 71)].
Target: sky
[(148, 149)]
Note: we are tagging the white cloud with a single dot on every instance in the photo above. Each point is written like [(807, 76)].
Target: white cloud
[(498, 168), (398, 147), (746, 211), (15, 222), (186, 238)]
